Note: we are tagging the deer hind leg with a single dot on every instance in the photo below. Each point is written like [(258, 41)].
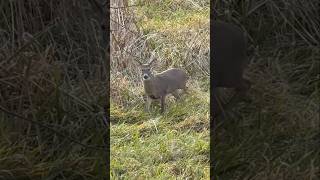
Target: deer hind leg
[(185, 89), (176, 94), (218, 106), (241, 91), (244, 87)]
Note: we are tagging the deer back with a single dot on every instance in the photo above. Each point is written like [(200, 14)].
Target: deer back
[(229, 54), (171, 79)]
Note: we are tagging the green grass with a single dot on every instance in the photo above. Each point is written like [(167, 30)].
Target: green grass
[(173, 23), (168, 146), (171, 18), (173, 145)]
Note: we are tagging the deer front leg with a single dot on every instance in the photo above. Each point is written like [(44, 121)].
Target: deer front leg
[(163, 98), (218, 106), (148, 104)]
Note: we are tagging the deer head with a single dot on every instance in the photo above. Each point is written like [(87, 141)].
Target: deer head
[(146, 69)]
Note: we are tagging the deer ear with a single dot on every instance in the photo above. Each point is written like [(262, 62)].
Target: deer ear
[(152, 60)]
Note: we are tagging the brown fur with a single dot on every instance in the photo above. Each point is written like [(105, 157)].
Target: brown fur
[(164, 83)]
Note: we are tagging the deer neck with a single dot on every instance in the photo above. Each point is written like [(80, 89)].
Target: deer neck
[(149, 86)]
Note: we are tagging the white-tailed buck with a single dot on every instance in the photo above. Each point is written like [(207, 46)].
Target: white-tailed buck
[(229, 60), (158, 86)]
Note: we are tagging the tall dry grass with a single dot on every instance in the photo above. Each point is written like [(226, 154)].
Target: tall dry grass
[(53, 82)]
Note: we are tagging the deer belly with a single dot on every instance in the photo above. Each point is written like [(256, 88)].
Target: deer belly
[(153, 97)]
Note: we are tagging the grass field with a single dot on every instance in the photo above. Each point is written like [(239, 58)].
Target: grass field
[(173, 145)]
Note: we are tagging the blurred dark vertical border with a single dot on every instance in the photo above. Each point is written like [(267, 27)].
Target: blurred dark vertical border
[(54, 89), (212, 128), (108, 58), (275, 133)]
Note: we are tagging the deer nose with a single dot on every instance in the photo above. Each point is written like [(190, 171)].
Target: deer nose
[(145, 76)]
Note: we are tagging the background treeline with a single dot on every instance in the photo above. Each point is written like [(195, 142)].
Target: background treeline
[(53, 72)]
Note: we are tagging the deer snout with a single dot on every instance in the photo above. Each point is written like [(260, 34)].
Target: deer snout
[(145, 76)]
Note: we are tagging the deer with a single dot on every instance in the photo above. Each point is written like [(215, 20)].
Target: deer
[(158, 86), (229, 61)]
